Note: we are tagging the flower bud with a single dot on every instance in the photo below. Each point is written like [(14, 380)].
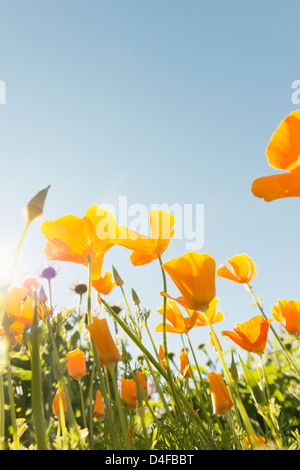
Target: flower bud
[(35, 206), (118, 280)]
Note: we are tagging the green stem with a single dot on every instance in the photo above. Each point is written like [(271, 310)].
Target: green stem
[(36, 385), (50, 295), (258, 372), (149, 357), (170, 379), (111, 369), (62, 419), (196, 385), (233, 429), (3, 293), (2, 412), (60, 374), (236, 399), (82, 404), (96, 358), (91, 406), (89, 294), (249, 288), (104, 393), (265, 376), (4, 351), (127, 306), (12, 405), (141, 413), (137, 342), (151, 339), (198, 370), (79, 305), (160, 392)]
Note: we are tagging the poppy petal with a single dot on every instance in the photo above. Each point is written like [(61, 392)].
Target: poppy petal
[(283, 150), (278, 186)]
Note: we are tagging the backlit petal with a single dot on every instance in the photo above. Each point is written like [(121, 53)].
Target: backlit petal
[(283, 150), (278, 186)]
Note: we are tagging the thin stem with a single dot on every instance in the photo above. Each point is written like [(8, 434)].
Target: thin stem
[(170, 380), (135, 340), (12, 405), (50, 295), (91, 405), (82, 404), (236, 399), (107, 402), (62, 419), (4, 345), (2, 412), (61, 376), (265, 375), (159, 390), (37, 389), (195, 382), (232, 427), (199, 372), (119, 406), (96, 358), (89, 296), (151, 339), (258, 372), (249, 288), (127, 305), (149, 357), (141, 413)]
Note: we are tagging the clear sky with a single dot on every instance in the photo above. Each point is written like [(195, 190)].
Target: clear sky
[(160, 102)]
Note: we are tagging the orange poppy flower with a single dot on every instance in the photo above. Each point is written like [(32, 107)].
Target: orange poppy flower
[(76, 364), (20, 306), (283, 152), (220, 396), (243, 269), (179, 324), (184, 365), (104, 285), (194, 275), (214, 315), (251, 335), (32, 285), (55, 404), (146, 249), (76, 239), (106, 347), (99, 411), (288, 314), (129, 390)]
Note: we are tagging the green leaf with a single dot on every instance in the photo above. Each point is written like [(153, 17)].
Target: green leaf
[(257, 393)]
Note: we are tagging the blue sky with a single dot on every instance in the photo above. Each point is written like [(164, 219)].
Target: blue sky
[(161, 102)]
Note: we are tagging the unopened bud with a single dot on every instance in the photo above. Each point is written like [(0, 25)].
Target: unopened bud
[(35, 206), (233, 369), (118, 280), (135, 297)]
